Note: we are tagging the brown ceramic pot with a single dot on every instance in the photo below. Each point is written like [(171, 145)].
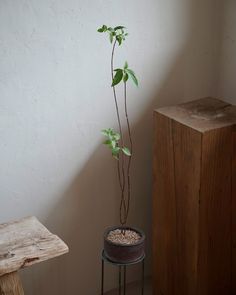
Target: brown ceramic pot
[(122, 253)]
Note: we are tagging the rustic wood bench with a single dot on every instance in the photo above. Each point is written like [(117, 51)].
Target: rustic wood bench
[(22, 244)]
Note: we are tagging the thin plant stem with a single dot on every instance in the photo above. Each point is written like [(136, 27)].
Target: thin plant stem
[(121, 169), (131, 151)]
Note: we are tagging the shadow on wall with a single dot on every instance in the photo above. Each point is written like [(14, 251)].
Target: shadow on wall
[(227, 65), (87, 207)]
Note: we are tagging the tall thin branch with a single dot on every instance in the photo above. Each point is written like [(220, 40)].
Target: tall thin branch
[(121, 169), (131, 151)]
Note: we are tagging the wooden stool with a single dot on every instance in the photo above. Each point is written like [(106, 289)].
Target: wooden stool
[(22, 244)]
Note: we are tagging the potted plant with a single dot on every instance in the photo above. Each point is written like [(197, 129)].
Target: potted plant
[(122, 243)]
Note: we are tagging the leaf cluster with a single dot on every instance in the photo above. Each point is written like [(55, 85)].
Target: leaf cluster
[(124, 74), (112, 142), (117, 33)]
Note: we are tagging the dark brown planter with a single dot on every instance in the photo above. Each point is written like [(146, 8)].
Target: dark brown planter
[(124, 253)]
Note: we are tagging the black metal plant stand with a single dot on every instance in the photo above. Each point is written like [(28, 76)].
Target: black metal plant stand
[(122, 267)]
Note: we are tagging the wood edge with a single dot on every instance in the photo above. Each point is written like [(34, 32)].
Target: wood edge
[(64, 249), (11, 222), (36, 260), (200, 130)]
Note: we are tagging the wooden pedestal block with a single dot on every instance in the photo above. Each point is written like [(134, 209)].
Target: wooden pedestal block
[(194, 199)]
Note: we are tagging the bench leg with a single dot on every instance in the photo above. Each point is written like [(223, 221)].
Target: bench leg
[(10, 284)]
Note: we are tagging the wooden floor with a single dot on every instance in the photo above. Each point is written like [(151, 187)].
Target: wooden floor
[(134, 289)]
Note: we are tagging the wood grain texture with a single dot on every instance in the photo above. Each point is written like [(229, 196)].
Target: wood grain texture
[(164, 209), (26, 242), (233, 209), (187, 157), (10, 284), (194, 199), (215, 213)]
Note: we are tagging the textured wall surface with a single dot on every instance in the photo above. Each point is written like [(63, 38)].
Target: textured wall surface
[(227, 67), (55, 97)]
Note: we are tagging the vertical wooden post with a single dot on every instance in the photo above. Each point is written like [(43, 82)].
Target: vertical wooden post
[(193, 198), (10, 284)]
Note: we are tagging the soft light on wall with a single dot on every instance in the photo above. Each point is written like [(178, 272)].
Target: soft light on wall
[(55, 99)]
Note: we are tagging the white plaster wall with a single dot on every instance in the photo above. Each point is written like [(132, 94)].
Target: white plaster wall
[(227, 67), (54, 100)]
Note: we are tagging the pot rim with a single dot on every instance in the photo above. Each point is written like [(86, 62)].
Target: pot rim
[(137, 230)]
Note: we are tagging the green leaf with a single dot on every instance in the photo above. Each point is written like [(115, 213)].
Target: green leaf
[(116, 136), (119, 28), (111, 37), (104, 132), (126, 65), (107, 142), (118, 77), (110, 130), (126, 151), (125, 77), (102, 29), (132, 76), (113, 144), (107, 132), (130, 71), (115, 151), (119, 39)]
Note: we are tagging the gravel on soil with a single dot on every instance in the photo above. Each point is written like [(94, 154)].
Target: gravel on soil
[(126, 237)]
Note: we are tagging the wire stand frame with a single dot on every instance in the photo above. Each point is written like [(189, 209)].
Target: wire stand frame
[(122, 273)]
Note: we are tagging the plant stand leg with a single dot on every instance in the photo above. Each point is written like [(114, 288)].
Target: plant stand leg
[(143, 276), (124, 279), (10, 284), (102, 282), (119, 280)]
